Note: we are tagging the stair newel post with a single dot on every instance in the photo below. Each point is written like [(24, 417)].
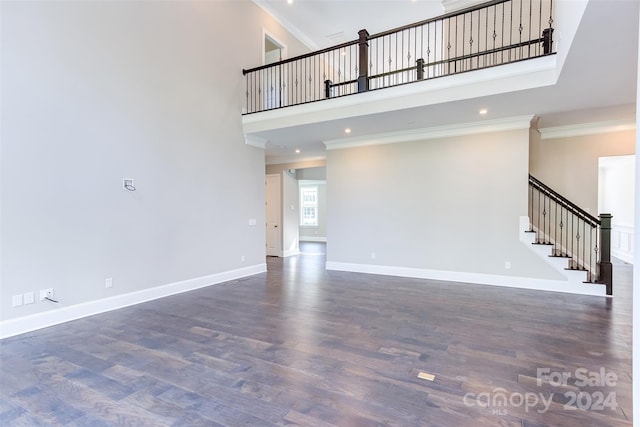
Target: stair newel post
[(547, 40), (327, 88), (363, 63), (420, 69), (606, 268)]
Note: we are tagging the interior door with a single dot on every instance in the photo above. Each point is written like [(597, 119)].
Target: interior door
[(273, 207)]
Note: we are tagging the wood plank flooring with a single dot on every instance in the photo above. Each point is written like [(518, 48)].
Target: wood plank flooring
[(302, 346)]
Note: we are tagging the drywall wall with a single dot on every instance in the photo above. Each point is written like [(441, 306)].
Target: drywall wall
[(314, 174), (94, 92), (277, 168), (616, 195), (570, 165), (616, 188), (448, 204)]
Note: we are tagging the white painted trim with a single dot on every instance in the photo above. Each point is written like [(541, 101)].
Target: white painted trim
[(473, 128), (622, 256), (283, 47), (255, 141), (583, 129), (20, 325), (620, 234), (505, 78), (295, 31), (473, 278), (281, 160), (313, 239), (290, 252), (454, 5)]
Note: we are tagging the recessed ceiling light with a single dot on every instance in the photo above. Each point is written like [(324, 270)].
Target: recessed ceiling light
[(347, 130), (483, 111), (297, 150), (289, 1)]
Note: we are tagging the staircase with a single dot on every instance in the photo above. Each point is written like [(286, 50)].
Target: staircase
[(573, 241)]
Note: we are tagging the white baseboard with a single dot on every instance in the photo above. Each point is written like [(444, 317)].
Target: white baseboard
[(312, 239), (623, 256), (475, 278), (290, 252), (20, 325)]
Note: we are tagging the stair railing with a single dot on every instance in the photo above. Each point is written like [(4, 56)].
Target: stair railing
[(574, 233)]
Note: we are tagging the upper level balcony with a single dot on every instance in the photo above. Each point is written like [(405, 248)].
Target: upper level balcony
[(495, 33), (509, 55)]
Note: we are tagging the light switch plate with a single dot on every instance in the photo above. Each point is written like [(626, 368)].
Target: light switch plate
[(17, 300), (29, 298)]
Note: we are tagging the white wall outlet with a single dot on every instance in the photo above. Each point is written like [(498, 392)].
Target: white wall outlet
[(242, 258), (373, 255), (507, 265), (17, 300), (46, 293), (29, 298), (253, 221), (108, 283)]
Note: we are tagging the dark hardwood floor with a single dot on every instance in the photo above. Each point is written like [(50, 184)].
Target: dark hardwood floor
[(303, 346)]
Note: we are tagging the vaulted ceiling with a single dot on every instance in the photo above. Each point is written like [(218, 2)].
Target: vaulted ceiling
[(324, 23)]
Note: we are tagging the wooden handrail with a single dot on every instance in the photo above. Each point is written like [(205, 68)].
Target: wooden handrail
[(595, 222)]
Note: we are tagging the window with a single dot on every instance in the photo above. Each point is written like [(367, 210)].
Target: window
[(309, 206)]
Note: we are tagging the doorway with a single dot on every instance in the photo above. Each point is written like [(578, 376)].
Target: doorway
[(273, 78)]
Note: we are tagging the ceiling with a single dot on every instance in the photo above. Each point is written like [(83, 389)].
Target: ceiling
[(597, 83), (324, 23)]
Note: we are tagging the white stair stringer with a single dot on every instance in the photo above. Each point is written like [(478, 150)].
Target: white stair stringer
[(574, 279)]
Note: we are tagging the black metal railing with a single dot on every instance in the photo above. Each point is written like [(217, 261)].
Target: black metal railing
[(493, 33), (574, 233)]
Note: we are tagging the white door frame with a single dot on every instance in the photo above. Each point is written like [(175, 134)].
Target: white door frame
[(275, 77), (273, 214)]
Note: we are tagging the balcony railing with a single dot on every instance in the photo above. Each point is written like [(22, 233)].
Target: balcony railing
[(493, 33)]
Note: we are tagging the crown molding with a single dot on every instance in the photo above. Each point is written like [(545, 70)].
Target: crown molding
[(255, 141), (594, 128), (472, 128), (280, 160), (295, 31), (453, 5)]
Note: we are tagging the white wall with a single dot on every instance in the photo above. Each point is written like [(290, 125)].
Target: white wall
[(616, 192), (448, 204), (96, 91), (570, 165)]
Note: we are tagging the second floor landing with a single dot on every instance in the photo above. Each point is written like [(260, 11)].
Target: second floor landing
[(592, 68)]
